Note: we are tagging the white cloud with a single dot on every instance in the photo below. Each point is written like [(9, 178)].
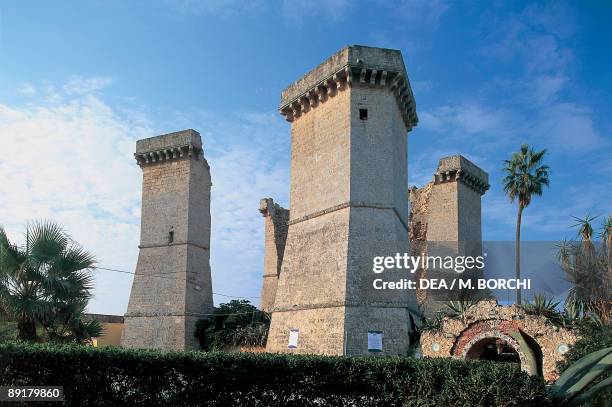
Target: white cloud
[(545, 89), (27, 89), (71, 160), (249, 159), (80, 85), (568, 127), (467, 117)]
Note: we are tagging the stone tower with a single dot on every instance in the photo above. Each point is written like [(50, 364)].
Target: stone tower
[(448, 208), (445, 215), (349, 182), (172, 284), (276, 219)]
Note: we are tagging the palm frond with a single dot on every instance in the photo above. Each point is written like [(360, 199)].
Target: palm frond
[(46, 240), (48, 282)]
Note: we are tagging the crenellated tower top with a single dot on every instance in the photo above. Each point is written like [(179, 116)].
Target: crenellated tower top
[(353, 65), (171, 146), (457, 168)]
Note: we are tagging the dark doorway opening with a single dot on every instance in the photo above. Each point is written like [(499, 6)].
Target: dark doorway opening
[(495, 349)]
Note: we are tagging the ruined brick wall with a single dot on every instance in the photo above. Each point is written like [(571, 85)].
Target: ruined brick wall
[(419, 212), (348, 189), (276, 224), (172, 285)]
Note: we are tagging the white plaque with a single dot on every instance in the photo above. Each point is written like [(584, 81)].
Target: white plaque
[(293, 338), (375, 341)]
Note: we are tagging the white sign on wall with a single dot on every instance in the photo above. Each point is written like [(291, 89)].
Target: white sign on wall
[(293, 338), (375, 341)]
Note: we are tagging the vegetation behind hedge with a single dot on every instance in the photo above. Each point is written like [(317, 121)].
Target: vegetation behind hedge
[(114, 376), (593, 337), (237, 323)]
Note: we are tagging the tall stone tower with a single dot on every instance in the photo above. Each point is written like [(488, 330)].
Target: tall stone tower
[(349, 182), (172, 284)]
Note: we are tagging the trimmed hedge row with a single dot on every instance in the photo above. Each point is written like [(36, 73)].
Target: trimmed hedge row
[(114, 376)]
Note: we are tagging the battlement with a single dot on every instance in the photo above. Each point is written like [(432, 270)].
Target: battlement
[(267, 207), (185, 143), (352, 65), (458, 168)]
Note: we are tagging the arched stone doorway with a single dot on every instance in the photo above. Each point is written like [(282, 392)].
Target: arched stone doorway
[(493, 349), (495, 346)]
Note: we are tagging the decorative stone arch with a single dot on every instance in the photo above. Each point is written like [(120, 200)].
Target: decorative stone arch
[(508, 331), (497, 335), (539, 343)]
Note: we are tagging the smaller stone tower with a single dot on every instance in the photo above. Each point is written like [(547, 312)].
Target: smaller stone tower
[(454, 204), (276, 225), (445, 215), (172, 286)]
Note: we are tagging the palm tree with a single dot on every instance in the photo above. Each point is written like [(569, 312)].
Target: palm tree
[(585, 231), (525, 178), (46, 282)]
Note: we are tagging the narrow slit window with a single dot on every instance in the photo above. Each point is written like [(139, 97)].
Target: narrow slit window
[(363, 114), (171, 237)]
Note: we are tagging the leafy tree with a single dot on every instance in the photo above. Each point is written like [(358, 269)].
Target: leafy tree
[(46, 282), (525, 178), (233, 324)]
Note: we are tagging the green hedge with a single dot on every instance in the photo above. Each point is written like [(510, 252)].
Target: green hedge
[(113, 376)]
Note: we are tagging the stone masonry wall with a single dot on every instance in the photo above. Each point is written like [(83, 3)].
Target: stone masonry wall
[(172, 286), (445, 216), (276, 224), (487, 319), (349, 121)]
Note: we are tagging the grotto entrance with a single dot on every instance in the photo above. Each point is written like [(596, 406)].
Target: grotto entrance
[(494, 349)]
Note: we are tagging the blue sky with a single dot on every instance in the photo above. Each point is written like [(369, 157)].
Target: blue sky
[(81, 81)]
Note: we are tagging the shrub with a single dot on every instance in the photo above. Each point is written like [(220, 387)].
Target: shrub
[(236, 323), (593, 336), (543, 306), (114, 376)]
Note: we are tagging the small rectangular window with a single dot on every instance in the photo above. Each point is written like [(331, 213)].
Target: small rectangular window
[(171, 237), (363, 114)]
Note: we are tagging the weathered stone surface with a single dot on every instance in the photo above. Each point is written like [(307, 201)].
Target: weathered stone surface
[(275, 237), (348, 203), (172, 284), (487, 319), (445, 216), (375, 67), (450, 204)]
